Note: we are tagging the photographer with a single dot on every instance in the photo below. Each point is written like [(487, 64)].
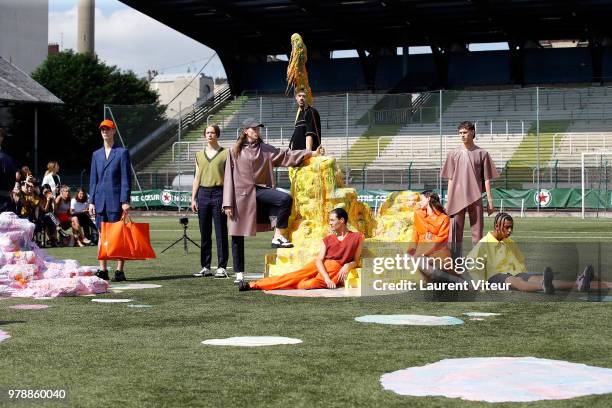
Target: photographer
[(47, 215)]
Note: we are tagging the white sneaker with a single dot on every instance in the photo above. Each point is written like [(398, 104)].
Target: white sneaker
[(221, 273), (204, 272), (239, 277), (281, 242)]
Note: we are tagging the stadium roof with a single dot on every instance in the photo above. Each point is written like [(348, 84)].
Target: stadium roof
[(262, 27), (18, 87)]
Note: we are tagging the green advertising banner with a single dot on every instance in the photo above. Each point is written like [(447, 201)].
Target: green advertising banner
[(160, 198), (527, 199), (552, 198), (569, 198)]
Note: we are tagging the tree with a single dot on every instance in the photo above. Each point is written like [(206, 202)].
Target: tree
[(69, 133)]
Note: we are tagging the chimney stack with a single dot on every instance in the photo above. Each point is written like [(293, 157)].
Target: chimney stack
[(86, 26)]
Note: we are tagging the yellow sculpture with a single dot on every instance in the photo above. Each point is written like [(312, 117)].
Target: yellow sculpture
[(316, 190)]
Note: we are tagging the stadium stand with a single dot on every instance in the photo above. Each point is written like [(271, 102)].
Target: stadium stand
[(393, 142), (278, 113)]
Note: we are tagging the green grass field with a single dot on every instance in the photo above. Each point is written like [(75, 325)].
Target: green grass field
[(114, 356)]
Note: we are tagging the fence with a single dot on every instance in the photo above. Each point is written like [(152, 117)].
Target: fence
[(534, 135)]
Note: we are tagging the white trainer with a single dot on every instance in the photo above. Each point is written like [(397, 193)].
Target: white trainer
[(239, 277), (221, 273), (204, 272), (281, 242)]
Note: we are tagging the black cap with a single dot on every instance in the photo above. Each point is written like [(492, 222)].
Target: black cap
[(251, 123)]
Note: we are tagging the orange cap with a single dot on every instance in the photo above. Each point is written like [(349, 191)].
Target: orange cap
[(107, 123)]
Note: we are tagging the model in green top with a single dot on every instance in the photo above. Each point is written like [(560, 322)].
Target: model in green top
[(206, 200)]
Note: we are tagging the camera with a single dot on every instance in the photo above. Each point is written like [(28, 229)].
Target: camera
[(184, 221)]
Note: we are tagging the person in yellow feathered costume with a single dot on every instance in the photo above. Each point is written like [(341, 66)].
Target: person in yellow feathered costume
[(307, 132)]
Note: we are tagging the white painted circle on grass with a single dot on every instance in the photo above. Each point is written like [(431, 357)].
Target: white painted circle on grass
[(111, 300), (134, 286), (251, 341), (481, 314), (140, 306), (28, 307), (500, 379), (410, 320)]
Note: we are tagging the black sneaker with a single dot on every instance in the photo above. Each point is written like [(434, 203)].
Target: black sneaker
[(583, 283), (119, 276), (547, 281), (243, 286), (102, 274)]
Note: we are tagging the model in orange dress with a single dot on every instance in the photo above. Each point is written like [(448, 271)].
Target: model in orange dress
[(339, 254), (430, 234)]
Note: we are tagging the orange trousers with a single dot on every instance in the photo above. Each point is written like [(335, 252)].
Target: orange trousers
[(308, 277)]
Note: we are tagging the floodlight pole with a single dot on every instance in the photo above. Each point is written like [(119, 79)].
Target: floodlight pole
[(538, 145), (582, 184), (179, 160)]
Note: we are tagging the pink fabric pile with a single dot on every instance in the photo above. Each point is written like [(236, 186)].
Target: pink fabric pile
[(27, 271)]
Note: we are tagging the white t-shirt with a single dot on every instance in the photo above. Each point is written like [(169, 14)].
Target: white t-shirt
[(77, 207), (48, 179)]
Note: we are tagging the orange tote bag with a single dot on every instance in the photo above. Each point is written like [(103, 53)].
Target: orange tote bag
[(125, 240)]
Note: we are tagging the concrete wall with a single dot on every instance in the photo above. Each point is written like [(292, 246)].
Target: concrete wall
[(24, 27), (168, 86)]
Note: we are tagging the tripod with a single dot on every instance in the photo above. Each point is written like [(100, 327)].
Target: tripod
[(184, 238)]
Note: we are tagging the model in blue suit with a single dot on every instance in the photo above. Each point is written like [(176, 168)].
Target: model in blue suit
[(109, 187)]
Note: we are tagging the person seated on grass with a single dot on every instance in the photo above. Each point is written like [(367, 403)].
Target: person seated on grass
[(79, 209), (503, 262), (340, 252), (429, 244)]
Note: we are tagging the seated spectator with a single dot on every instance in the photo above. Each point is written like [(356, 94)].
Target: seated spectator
[(47, 216), (78, 236), (22, 175), (79, 208), (52, 178), (67, 220), (27, 202)]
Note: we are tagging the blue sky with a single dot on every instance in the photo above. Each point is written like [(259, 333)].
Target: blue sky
[(131, 40)]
